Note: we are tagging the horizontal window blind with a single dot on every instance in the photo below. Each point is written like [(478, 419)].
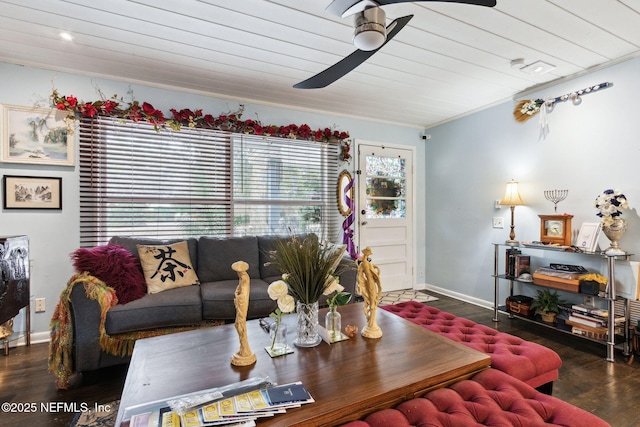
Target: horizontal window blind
[(135, 181), (283, 186)]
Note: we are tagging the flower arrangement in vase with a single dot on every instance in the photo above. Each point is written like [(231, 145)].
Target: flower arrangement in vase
[(333, 319), (279, 291), (308, 267), (610, 205)]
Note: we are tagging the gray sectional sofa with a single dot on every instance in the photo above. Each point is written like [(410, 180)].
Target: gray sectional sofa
[(213, 299)]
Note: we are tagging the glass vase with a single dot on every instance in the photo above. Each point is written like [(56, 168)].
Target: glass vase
[(278, 334), (333, 324), (307, 328)]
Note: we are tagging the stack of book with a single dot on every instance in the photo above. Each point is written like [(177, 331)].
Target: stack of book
[(241, 410), (516, 263), (591, 321)]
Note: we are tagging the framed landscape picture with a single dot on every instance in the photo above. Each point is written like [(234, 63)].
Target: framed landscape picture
[(31, 192), (35, 136)]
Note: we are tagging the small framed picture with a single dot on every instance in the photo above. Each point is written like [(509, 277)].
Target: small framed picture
[(35, 136), (588, 236), (32, 192)]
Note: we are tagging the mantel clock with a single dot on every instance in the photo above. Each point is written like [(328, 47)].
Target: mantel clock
[(555, 229)]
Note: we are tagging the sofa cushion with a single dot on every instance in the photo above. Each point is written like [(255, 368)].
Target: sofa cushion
[(115, 266), (218, 300), (216, 254), (131, 244), (167, 266), (174, 307)]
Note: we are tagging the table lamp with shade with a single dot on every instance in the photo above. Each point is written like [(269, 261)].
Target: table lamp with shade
[(512, 199)]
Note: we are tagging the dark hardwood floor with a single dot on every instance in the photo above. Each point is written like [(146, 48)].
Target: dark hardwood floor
[(586, 380)]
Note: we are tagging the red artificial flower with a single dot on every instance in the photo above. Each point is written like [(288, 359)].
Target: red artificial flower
[(327, 133), (293, 129), (88, 110), (134, 113), (304, 131), (272, 130), (61, 106), (318, 135), (72, 101), (148, 108), (208, 119), (222, 118), (258, 130), (284, 130), (232, 117), (109, 106), (155, 117)]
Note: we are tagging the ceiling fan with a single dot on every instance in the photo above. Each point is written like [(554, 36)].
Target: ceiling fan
[(370, 34)]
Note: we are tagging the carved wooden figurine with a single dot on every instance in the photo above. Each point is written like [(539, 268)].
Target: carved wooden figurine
[(370, 288), (244, 356)]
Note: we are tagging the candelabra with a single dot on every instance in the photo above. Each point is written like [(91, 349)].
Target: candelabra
[(555, 196)]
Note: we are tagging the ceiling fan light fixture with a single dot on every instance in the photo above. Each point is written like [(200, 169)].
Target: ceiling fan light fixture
[(370, 31)]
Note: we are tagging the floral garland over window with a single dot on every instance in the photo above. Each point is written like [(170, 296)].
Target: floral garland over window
[(136, 112)]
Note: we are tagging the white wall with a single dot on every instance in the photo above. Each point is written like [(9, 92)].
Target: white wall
[(590, 147), (55, 234)]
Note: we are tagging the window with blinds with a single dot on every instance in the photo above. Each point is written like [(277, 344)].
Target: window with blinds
[(135, 181)]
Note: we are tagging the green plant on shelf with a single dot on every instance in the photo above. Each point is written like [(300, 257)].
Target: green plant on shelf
[(546, 303)]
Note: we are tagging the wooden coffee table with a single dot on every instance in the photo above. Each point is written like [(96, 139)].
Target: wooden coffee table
[(348, 380)]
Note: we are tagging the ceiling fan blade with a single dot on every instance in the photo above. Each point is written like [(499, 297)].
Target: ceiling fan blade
[(487, 3), (339, 7), (348, 64)]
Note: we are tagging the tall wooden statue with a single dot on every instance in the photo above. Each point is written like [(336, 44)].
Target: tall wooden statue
[(370, 288), (244, 356)]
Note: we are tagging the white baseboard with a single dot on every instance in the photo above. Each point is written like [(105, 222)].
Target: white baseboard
[(462, 297), (36, 338)]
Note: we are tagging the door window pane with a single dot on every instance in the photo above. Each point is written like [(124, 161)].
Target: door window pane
[(386, 187)]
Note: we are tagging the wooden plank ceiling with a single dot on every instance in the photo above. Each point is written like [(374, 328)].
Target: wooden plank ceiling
[(450, 60)]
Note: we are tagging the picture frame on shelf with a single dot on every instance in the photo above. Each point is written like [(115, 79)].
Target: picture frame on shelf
[(34, 135), (32, 192), (588, 236)]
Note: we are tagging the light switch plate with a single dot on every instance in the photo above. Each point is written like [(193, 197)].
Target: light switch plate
[(498, 222)]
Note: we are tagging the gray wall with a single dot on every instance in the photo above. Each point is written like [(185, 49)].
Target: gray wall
[(54, 235), (590, 147)]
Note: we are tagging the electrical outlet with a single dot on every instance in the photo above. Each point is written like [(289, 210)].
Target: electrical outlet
[(40, 305), (498, 222), (588, 300)]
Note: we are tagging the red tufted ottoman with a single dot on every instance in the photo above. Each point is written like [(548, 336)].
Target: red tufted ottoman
[(489, 398), (532, 363)]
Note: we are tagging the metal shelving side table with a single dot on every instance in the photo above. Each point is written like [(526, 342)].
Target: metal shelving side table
[(610, 297)]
